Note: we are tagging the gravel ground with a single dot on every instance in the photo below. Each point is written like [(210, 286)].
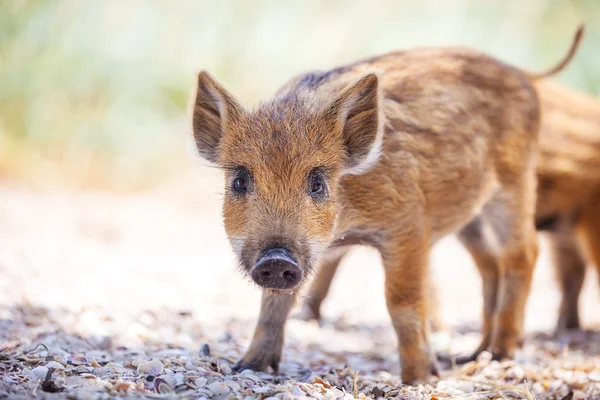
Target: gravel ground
[(105, 295)]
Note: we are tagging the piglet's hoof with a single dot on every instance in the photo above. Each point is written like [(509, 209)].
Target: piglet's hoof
[(307, 314), (447, 360), (496, 355), (258, 364), (420, 373), (499, 355), (460, 360)]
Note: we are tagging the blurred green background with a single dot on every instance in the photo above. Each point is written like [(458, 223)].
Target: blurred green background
[(97, 92)]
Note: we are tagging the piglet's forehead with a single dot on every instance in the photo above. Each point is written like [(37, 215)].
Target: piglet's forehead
[(268, 143)]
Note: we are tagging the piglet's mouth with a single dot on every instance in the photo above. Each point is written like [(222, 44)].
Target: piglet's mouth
[(276, 269)]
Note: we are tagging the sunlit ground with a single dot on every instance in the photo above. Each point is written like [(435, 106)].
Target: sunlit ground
[(153, 272)]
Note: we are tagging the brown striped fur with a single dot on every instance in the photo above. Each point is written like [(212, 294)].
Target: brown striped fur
[(568, 171), (569, 188), (568, 201), (412, 146)]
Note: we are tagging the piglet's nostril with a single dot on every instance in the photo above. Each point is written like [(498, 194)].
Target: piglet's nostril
[(289, 276), (265, 274)]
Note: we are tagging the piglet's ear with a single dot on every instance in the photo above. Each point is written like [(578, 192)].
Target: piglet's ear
[(357, 114), (214, 110)]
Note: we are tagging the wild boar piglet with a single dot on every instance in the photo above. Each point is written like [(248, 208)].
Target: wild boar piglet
[(394, 152)]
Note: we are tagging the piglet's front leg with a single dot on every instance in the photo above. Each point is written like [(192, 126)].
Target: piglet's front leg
[(406, 297), (267, 342)]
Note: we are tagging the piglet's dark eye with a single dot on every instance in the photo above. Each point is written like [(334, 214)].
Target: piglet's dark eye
[(241, 181), (317, 187), (239, 184)]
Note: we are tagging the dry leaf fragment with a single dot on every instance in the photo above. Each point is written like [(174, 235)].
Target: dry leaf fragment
[(51, 387), (321, 382), (48, 385), (124, 386)]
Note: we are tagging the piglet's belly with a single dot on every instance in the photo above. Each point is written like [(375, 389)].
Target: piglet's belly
[(452, 208)]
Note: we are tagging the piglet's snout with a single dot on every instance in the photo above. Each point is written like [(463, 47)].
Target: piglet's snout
[(276, 269)]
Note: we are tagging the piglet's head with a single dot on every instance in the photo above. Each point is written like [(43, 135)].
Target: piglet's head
[(283, 163)]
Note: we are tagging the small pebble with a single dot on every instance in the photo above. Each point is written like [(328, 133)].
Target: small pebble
[(232, 385), (191, 364), (204, 350), (124, 386), (200, 382), (77, 359), (225, 367), (594, 376), (248, 373), (40, 372), (219, 388), (376, 392), (516, 372), (465, 386), (153, 368), (579, 395), (54, 365), (296, 391), (287, 396)]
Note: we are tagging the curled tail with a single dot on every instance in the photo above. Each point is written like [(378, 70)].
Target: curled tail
[(563, 63)]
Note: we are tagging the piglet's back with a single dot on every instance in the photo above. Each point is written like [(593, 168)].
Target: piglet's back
[(433, 90), (569, 160)]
